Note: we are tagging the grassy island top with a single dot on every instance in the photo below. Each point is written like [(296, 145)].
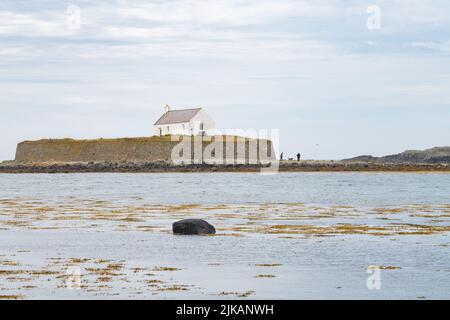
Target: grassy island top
[(165, 138)]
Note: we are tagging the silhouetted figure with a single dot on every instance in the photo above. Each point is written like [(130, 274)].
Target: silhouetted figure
[(298, 156), (281, 156)]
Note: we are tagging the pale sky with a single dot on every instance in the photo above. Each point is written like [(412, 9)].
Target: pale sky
[(312, 69)]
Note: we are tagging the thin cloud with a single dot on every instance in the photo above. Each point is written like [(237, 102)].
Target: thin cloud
[(306, 67)]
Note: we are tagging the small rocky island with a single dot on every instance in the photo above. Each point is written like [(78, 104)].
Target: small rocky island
[(434, 159)]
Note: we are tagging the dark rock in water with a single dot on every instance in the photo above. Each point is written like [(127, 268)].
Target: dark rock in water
[(193, 226)]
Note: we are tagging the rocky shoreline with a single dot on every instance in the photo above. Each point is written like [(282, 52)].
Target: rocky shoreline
[(284, 166)]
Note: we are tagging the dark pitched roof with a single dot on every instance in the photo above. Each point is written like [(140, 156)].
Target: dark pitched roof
[(177, 116)]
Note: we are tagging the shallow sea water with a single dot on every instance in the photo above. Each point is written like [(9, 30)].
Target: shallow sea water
[(285, 236)]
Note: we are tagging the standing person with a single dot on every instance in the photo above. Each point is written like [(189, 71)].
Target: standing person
[(281, 156), (298, 156)]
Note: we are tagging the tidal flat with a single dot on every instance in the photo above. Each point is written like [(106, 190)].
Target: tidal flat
[(287, 236)]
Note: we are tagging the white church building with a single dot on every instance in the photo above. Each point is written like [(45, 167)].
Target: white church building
[(184, 122)]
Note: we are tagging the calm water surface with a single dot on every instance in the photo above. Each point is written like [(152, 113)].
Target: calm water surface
[(371, 189)]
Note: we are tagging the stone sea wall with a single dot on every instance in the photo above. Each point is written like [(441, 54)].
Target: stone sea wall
[(152, 149)]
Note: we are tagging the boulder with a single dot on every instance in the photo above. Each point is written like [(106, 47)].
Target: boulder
[(193, 226)]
